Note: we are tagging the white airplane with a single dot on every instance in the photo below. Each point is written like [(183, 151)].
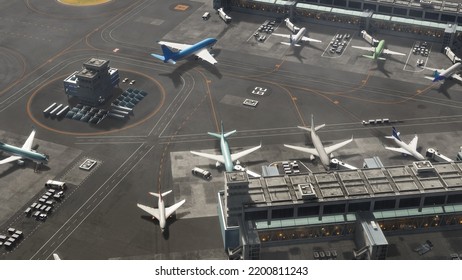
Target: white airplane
[(405, 149), (291, 26), (161, 213), (295, 39), (378, 50), (199, 50), (24, 152), (319, 150), (440, 75), (226, 157)]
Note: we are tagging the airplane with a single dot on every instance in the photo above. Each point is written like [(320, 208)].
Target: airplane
[(440, 75), (406, 149), (161, 213), (319, 149), (295, 39), (226, 157), (291, 26), (24, 152), (378, 50), (199, 50)]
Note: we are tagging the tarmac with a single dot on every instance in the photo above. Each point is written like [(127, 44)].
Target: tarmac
[(44, 42)]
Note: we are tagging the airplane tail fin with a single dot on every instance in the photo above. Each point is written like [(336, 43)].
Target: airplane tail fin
[(163, 194), (394, 134), (167, 57), (225, 135), (437, 77)]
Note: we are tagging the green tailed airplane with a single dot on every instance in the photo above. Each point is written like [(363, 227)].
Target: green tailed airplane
[(377, 51)]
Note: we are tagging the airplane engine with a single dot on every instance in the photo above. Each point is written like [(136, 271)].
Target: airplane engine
[(331, 155), (238, 162), (20, 162), (217, 164), (312, 157)]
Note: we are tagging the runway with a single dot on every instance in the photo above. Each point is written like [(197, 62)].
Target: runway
[(99, 219)]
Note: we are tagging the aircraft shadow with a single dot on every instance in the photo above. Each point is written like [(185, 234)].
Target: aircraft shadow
[(189, 64), (381, 68), (444, 87), (296, 52)]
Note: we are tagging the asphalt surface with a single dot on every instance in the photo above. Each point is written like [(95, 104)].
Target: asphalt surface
[(42, 43)]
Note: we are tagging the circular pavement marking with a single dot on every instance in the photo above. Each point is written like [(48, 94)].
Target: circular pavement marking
[(83, 2)]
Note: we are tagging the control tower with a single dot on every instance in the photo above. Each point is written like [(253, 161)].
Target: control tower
[(93, 84)]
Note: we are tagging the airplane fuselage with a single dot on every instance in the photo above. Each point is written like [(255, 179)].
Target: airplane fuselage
[(162, 220), (296, 39), (34, 156), (406, 147), (209, 42), (229, 166), (379, 49), (449, 72), (320, 149)]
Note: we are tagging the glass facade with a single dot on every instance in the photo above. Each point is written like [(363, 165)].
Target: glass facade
[(401, 220)]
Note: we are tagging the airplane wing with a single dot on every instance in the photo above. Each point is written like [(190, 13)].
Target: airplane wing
[(170, 210), (434, 69), (371, 49), (311, 151), (10, 159), (152, 211), (218, 158), (399, 150), (387, 51), (28, 144), (308, 39), (177, 46), (281, 35), (457, 77), (335, 147), (237, 156), (413, 143), (205, 55)]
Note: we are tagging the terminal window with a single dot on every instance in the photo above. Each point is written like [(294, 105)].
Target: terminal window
[(415, 13), (434, 200), (340, 3), (385, 9), (359, 206), (354, 5), (257, 215), (282, 213), (409, 202), (448, 18), (308, 211), (384, 204), (334, 209), (455, 198), (371, 7), (433, 16), (399, 11)]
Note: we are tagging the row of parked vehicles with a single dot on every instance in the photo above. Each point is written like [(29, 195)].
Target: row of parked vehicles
[(43, 207)]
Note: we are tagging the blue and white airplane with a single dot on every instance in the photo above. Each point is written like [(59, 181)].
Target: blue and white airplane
[(405, 149), (226, 157), (184, 50), (440, 75), (24, 152)]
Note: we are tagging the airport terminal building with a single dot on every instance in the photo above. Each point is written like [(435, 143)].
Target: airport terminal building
[(361, 205), (426, 20)]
